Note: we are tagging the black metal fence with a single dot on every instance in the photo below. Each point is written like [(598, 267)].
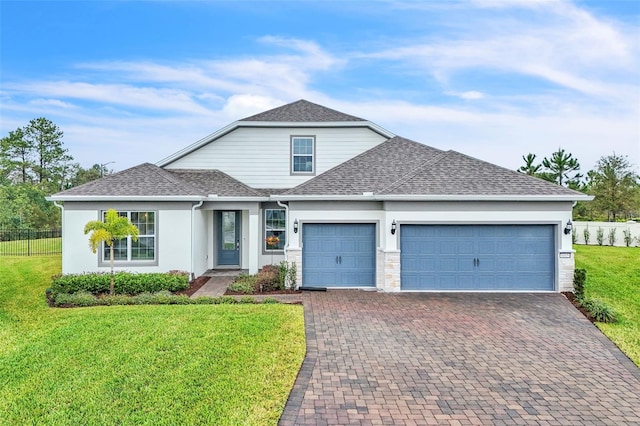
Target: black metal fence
[(30, 242)]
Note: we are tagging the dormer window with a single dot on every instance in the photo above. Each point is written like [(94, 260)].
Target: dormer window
[(303, 149)]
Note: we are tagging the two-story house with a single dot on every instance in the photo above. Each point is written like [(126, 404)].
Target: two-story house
[(352, 204)]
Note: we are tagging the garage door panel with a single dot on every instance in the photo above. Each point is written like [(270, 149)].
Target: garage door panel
[(338, 255), (508, 257)]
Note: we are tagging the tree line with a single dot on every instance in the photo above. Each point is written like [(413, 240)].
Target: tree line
[(34, 164), (613, 183)]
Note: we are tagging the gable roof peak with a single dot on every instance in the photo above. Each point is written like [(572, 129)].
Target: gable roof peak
[(302, 111)]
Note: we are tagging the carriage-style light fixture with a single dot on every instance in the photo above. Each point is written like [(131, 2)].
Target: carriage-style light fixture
[(295, 226), (394, 226), (568, 228)]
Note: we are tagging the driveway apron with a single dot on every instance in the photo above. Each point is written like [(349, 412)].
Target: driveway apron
[(465, 359)]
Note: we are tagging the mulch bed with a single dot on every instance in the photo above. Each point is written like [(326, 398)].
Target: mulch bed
[(194, 286), (572, 298), (258, 293)]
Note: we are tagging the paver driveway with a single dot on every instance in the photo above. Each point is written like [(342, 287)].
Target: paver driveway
[(377, 358)]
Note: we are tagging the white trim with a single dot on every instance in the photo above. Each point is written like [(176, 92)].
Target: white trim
[(412, 197), (275, 124), (195, 198)]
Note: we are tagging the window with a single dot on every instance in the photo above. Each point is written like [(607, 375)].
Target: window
[(302, 154), (275, 223), (127, 250)]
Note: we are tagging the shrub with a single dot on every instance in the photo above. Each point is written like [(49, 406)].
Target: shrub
[(574, 236), (204, 300), (81, 298), (268, 279), (287, 275), (599, 311), (612, 236), (587, 235), (600, 236), (117, 299), (269, 300), (125, 282), (225, 300), (247, 299), (244, 283), (628, 239), (579, 280)]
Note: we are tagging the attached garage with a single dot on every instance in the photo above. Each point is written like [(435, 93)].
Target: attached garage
[(339, 254), (477, 257)]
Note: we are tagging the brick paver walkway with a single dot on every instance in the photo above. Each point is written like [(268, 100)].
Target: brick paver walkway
[(458, 359)]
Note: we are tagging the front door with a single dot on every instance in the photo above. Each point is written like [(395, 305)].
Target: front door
[(228, 238)]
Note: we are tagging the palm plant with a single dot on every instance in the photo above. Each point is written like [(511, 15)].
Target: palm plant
[(113, 228)]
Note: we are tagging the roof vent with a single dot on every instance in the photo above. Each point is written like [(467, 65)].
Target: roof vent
[(213, 195), (367, 194)]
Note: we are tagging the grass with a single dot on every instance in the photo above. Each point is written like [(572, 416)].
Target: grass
[(31, 247), (613, 276), (146, 365)]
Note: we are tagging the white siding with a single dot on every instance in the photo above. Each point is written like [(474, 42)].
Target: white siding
[(173, 240), (261, 157)]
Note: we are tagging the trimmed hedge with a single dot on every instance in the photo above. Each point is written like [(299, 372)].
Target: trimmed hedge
[(83, 298), (124, 283)]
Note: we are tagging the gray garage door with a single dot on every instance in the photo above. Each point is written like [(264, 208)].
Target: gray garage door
[(338, 255), (477, 257)]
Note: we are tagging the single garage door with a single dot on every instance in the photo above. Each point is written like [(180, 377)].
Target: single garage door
[(477, 257), (338, 255)]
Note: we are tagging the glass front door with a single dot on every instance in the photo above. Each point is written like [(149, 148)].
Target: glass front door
[(228, 238)]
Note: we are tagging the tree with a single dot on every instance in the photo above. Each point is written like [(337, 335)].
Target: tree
[(614, 185), (16, 157), (529, 167), (82, 175), (562, 168), (113, 228), (52, 159)]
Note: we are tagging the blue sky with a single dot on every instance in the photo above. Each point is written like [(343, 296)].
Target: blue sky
[(135, 81)]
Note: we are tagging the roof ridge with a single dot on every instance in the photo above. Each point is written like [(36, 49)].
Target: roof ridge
[(244, 185), (159, 171), (403, 179), (302, 110)]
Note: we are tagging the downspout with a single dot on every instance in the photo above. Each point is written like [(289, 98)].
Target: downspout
[(286, 209), (61, 207), (193, 237)]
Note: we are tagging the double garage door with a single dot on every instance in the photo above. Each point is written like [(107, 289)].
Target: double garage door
[(477, 257), (434, 257)]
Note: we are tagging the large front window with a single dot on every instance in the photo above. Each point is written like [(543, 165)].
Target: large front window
[(127, 250), (275, 223), (302, 154)]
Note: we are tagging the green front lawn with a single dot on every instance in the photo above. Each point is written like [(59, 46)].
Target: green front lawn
[(613, 275), (155, 365)]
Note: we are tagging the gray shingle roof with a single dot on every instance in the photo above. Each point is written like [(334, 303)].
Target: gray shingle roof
[(370, 171), (454, 173), (215, 182), (150, 180), (302, 111), (403, 167)]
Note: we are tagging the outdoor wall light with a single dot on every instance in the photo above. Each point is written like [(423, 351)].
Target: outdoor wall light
[(394, 226), (568, 228), (295, 226)]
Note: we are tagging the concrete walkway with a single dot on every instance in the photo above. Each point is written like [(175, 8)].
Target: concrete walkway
[(218, 283), (460, 359)]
